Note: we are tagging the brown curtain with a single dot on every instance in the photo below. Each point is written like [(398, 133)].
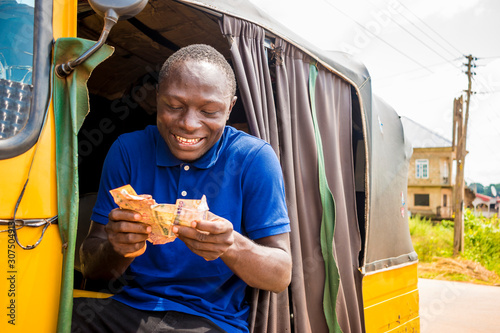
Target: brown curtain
[(252, 74), (269, 312), (333, 108), (288, 127), (300, 168)]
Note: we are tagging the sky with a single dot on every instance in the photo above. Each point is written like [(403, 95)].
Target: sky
[(414, 51)]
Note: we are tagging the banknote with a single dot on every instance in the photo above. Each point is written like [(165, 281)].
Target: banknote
[(161, 217), (164, 216), (190, 210), (126, 198)]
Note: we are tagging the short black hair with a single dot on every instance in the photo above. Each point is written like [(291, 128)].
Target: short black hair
[(199, 52)]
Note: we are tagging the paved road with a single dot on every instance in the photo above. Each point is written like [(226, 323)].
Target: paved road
[(458, 307)]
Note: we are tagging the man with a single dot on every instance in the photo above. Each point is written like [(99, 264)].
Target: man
[(196, 283)]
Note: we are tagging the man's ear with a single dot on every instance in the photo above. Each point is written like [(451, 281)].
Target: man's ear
[(233, 102)]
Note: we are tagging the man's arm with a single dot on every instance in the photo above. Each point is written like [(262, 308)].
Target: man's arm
[(109, 249), (264, 264)]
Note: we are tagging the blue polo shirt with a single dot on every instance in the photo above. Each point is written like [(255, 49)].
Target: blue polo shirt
[(242, 180)]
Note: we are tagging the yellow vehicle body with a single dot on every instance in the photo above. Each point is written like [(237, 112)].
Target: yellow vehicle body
[(30, 285), (390, 299), (32, 278)]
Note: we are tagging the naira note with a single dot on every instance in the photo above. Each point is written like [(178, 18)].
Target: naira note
[(126, 198)]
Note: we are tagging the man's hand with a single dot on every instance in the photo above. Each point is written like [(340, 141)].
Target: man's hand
[(126, 234), (264, 264), (209, 239)]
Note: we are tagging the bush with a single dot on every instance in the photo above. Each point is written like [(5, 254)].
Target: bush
[(482, 241), (481, 236), (431, 240)]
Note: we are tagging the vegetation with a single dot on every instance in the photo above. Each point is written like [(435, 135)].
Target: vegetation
[(482, 189), (433, 242), (482, 241)]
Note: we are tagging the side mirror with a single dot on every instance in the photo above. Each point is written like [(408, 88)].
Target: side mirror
[(120, 9), (112, 11)]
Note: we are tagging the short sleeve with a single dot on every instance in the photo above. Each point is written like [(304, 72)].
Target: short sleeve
[(264, 204), (115, 173)]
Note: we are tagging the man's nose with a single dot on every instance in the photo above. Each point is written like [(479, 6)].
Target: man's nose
[(190, 122)]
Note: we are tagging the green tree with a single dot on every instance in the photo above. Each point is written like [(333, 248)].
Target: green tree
[(477, 187)]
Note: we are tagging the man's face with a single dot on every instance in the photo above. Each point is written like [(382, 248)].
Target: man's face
[(194, 104)]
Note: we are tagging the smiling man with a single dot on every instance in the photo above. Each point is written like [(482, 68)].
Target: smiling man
[(196, 283)]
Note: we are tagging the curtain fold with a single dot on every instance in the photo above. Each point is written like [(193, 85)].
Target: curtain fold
[(327, 229), (284, 119), (269, 311), (252, 74), (300, 165), (334, 112)]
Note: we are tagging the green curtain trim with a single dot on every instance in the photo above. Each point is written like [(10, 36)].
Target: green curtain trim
[(71, 105), (332, 277)]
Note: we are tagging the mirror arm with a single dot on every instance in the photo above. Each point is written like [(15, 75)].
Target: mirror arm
[(64, 69)]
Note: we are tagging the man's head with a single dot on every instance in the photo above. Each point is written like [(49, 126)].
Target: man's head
[(195, 97)]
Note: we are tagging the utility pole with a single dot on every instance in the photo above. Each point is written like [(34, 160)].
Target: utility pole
[(460, 129), (458, 198)]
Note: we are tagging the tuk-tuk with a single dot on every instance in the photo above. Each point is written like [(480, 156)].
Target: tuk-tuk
[(342, 150)]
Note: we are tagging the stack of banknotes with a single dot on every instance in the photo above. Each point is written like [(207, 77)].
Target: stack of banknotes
[(161, 217)]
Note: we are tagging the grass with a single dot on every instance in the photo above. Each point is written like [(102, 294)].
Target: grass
[(482, 241), (480, 261)]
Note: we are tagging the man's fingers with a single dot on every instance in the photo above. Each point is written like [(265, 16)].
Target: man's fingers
[(129, 238), (130, 250), (215, 226), (126, 233), (199, 235), (133, 254), (128, 227), (119, 214), (207, 245)]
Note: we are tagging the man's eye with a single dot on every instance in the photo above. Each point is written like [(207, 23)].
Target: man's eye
[(209, 113), (175, 108)]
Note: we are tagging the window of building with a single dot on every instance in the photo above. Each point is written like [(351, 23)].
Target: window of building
[(445, 200), (421, 200), (422, 168), (445, 172)]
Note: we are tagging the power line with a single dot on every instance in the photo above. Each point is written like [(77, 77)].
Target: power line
[(429, 27), (374, 35), (483, 92), (419, 69), (425, 33), (494, 57), (430, 48), (413, 35), (488, 92)]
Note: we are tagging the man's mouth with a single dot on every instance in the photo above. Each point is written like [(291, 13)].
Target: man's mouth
[(186, 141)]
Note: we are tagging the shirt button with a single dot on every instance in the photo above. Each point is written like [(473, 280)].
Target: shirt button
[(184, 193), (186, 167)]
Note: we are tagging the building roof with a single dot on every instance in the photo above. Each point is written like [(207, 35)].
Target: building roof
[(422, 137), (485, 198)]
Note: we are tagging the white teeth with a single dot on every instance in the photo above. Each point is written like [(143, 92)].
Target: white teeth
[(187, 141)]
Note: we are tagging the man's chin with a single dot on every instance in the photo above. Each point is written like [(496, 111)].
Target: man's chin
[(188, 157)]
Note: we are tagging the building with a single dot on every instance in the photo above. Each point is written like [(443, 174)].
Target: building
[(486, 206), (430, 183)]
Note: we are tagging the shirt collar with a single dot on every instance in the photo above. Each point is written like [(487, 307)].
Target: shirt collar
[(166, 159)]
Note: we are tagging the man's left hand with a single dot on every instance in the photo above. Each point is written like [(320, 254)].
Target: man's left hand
[(209, 238)]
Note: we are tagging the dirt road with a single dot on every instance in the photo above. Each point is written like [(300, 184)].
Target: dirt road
[(458, 307)]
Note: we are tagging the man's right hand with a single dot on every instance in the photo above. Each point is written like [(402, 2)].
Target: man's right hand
[(126, 234)]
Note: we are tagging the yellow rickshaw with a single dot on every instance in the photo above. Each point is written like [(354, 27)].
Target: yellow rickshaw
[(342, 150)]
